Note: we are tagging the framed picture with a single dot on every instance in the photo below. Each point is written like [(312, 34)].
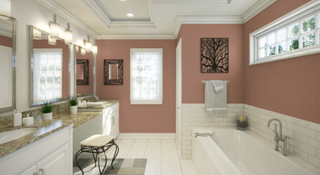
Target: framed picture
[(113, 72), (214, 55)]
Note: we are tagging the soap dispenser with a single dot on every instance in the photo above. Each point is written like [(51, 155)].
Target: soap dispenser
[(27, 121), (17, 119)]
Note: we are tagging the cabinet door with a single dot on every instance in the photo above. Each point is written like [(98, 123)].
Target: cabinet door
[(30, 171), (107, 125), (115, 126), (55, 163)]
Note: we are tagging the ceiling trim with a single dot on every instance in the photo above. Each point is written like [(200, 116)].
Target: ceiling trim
[(256, 9), (192, 1), (204, 20), (95, 8), (56, 8), (6, 33), (137, 36)]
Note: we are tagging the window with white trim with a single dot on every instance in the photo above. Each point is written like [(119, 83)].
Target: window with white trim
[(146, 76), (47, 74), (295, 34)]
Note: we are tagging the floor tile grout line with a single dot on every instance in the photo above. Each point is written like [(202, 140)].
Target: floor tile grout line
[(178, 157), (130, 148)]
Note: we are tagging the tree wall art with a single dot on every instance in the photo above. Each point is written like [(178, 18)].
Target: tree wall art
[(214, 55)]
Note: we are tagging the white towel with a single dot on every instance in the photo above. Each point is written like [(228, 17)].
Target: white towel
[(216, 103), (218, 85)]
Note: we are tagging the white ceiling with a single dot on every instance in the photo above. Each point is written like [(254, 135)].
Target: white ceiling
[(106, 19)]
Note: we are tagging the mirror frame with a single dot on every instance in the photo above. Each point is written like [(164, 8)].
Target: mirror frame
[(14, 66), (106, 79), (75, 72), (31, 58), (85, 80)]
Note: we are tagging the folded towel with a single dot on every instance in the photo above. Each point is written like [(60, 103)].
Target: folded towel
[(94, 103), (216, 102), (218, 85)]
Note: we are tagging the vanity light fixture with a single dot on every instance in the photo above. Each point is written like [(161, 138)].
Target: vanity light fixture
[(54, 27), (51, 40), (36, 34), (130, 15), (5, 9), (83, 51), (94, 49), (68, 36), (88, 45)]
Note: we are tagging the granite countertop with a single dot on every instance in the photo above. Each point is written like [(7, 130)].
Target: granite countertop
[(106, 104), (46, 127)]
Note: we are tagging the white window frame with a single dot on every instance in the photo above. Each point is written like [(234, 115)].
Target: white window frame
[(143, 101), (56, 50), (309, 9)]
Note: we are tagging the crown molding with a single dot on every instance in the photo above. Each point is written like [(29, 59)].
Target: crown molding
[(6, 33), (93, 6), (137, 36), (56, 8), (192, 1), (204, 20), (256, 9)]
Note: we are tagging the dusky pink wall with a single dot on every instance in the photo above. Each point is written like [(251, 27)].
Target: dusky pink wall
[(139, 118), (65, 61), (86, 89), (290, 87), (5, 41), (192, 86)]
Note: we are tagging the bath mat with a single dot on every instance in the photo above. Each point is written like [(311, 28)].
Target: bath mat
[(121, 167)]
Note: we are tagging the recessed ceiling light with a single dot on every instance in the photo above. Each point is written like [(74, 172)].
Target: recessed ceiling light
[(130, 15)]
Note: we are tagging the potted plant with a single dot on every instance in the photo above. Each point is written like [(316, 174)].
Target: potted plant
[(47, 110), (73, 106)]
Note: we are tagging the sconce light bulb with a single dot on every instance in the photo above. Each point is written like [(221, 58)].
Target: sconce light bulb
[(52, 41), (94, 49), (55, 30), (68, 37)]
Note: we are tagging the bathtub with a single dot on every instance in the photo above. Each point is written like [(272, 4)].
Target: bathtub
[(232, 152)]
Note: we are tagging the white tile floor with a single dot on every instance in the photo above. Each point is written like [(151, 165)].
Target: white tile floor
[(162, 156)]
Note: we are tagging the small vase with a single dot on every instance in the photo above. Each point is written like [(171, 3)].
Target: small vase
[(73, 109), (47, 116)]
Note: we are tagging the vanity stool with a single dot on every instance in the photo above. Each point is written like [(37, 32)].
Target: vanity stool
[(97, 144)]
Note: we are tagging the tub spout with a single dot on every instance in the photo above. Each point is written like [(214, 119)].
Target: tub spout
[(279, 137), (203, 134)]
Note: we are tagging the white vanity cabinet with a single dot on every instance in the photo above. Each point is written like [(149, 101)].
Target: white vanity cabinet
[(111, 120), (50, 155)]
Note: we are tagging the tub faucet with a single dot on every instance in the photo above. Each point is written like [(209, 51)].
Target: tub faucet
[(279, 137)]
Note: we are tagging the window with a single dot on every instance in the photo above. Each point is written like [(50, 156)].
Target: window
[(47, 77), (146, 76), (295, 34)]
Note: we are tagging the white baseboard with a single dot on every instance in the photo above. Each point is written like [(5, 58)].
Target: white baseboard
[(147, 135)]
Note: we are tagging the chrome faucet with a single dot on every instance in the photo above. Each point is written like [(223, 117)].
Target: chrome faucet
[(279, 137)]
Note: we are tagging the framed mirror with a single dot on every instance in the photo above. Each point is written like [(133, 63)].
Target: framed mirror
[(84, 72), (113, 72), (49, 68), (7, 63)]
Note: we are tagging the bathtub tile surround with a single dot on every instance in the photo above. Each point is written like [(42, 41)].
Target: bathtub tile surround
[(194, 115), (304, 136)]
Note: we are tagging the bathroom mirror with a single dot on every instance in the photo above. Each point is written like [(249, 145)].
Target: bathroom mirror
[(84, 71), (7, 63), (49, 68), (113, 72)]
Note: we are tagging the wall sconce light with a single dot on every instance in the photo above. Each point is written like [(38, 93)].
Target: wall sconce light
[(5, 9), (77, 49), (51, 40), (54, 27), (94, 49), (83, 51), (36, 34), (88, 45), (68, 36)]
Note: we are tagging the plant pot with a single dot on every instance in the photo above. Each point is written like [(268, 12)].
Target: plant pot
[(73, 109), (47, 116)]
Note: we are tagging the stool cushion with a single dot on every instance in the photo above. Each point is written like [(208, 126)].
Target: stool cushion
[(97, 140)]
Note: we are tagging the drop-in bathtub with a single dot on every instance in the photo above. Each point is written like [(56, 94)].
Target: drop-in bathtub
[(233, 152)]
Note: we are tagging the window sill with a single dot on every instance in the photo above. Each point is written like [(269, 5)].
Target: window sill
[(146, 102), (297, 53)]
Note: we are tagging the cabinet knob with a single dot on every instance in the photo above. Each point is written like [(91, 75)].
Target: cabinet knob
[(178, 107)]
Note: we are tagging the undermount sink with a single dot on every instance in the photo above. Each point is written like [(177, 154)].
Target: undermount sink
[(15, 134)]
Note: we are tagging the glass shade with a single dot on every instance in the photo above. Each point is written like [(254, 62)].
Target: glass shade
[(55, 29), (36, 34), (68, 37), (94, 49), (77, 49), (83, 51), (52, 41), (88, 46)]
